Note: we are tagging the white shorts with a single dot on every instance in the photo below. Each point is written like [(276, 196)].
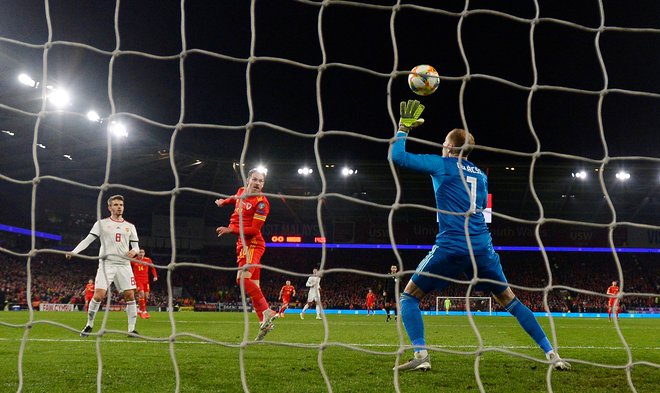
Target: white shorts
[(121, 275), (313, 296)]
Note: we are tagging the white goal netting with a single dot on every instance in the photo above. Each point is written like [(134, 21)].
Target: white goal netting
[(170, 104)]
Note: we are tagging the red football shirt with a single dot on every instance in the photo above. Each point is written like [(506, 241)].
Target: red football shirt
[(254, 210), (612, 290), (287, 291), (89, 290), (371, 299), (141, 272)]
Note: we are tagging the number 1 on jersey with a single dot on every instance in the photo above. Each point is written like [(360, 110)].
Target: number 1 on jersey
[(472, 183)]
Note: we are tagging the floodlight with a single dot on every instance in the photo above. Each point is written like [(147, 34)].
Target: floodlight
[(27, 81), (59, 98), (305, 171), (623, 175), (582, 175), (118, 129), (261, 169), (93, 116), (348, 171)]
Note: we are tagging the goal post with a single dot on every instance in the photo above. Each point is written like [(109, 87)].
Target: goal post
[(460, 303)]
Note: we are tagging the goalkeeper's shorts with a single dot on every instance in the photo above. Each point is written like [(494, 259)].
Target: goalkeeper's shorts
[(441, 263)]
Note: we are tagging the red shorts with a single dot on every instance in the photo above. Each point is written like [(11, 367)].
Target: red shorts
[(611, 302), (254, 253), (286, 300), (89, 297), (142, 286), (370, 305)]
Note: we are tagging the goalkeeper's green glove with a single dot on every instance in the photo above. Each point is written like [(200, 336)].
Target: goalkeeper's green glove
[(410, 112)]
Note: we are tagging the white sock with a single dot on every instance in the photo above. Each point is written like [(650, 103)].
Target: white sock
[(91, 311), (421, 354), (131, 311), (318, 311), (305, 308)]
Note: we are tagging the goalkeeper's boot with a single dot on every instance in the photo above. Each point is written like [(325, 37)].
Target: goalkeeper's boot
[(422, 364), (264, 332), (86, 331), (557, 362)]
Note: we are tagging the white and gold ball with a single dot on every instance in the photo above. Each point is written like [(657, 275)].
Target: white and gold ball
[(423, 80)]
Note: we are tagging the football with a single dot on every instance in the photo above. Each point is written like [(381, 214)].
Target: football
[(423, 80)]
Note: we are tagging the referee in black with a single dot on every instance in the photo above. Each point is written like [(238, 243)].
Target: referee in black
[(389, 292)]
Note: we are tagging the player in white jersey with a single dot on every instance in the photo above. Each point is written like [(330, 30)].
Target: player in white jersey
[(314, 294), (119, 241)]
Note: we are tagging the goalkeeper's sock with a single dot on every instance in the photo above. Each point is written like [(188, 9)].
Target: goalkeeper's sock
[(412, 321), (91, 312), (143, 304), (131, 312), (526, 319)]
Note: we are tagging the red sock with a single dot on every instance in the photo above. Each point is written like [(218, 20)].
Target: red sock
[(284, 307), (143, 304), (258, 300)]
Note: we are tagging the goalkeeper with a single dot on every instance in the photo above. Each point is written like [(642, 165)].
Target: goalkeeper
[(461, 189)]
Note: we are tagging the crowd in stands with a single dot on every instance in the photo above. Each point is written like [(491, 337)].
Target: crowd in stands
[(579, 280)]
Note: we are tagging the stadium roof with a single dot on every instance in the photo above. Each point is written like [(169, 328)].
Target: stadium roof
[(291, 126)]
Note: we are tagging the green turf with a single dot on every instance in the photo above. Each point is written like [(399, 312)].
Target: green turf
[(56, 359)]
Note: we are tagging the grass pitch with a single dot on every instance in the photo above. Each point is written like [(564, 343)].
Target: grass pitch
[(355, 352)]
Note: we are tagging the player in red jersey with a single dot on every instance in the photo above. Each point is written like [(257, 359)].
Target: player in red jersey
[(613, 304), (286, 292), (89, 293), (141, 273), (251, 208), (371, 301)]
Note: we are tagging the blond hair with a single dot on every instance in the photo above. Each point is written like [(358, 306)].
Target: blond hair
[(115, 197), (458, 137)]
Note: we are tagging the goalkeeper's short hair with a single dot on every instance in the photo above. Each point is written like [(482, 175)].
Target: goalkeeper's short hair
[(459, 138)]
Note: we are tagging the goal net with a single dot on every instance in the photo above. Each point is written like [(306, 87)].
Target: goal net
[(171, 103), (445, 304)]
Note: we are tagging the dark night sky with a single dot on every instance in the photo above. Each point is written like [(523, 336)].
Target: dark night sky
[(218, 39)]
